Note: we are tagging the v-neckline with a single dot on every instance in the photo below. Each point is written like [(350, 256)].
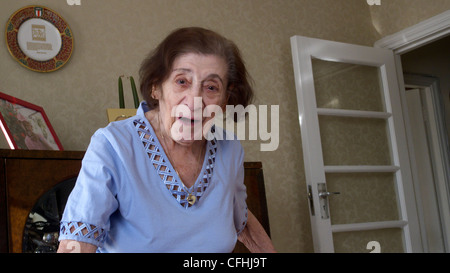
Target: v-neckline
[(165, 170), (167, 159)]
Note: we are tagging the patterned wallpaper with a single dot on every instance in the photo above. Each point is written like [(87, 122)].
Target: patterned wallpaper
[(113, 36)]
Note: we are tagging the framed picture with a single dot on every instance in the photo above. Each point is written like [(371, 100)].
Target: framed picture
[(26, 125), (39, 38)]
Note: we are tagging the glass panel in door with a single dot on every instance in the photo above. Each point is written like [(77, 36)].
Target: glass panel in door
[(389, 241), (354, 141), (347, 86)]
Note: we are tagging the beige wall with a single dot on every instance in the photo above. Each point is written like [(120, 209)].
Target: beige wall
[(113, 36)]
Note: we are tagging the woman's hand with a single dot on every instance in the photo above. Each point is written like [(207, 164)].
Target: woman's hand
[(254, 237)]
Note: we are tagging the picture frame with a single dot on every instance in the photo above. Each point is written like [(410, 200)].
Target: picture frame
[(39, 38), (115, 114), (26, 126)]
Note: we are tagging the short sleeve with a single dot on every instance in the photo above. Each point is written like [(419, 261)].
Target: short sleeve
[(92, 201), (240, 196)]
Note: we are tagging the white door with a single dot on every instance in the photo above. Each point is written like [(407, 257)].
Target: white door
[(354, 147)]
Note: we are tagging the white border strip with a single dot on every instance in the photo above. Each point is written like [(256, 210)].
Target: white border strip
[(368, 226)]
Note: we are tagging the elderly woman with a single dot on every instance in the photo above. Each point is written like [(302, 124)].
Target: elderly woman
[(148, 184)]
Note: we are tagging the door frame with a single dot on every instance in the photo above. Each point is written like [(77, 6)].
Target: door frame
[(407, 40), (439, 152), (418, 35)]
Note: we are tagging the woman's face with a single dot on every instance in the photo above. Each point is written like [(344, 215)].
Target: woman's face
[(195, 81)]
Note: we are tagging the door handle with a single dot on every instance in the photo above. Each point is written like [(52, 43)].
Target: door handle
[(323, 200), (324, 194)]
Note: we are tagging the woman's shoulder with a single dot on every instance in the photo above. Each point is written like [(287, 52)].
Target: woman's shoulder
[(119, 128), (115, 134)]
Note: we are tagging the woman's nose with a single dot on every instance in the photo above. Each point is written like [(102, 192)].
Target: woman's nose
[(193, 99)]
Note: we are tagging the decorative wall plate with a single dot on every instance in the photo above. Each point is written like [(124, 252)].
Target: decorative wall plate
[(39, 38)]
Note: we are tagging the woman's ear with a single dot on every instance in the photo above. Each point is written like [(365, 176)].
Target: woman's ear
[(156, 93)]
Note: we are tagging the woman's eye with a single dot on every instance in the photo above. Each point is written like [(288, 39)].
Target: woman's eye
[(181, 81), (212, 88)]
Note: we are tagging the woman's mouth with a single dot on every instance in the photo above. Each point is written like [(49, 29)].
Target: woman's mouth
[(188, 120)]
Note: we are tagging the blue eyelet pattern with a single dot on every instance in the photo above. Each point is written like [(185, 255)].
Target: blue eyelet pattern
[(82, 232), (168, 174)]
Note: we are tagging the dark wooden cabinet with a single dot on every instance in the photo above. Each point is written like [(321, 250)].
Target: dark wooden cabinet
[(24, 177), (27, 175)]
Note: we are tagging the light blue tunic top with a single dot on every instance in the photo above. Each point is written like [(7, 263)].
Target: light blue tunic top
[(128, 197)]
